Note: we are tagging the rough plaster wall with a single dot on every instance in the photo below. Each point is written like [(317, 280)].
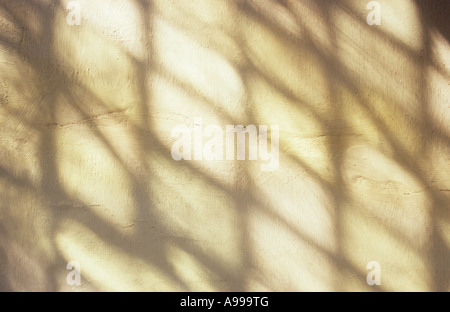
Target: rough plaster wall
[(86, 174)]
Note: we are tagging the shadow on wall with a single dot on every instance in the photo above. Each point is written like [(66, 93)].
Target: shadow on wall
[(4, 284), (86, 116), (434, 14)]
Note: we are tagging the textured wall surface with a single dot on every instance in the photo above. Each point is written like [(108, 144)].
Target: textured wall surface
[(87, 175)]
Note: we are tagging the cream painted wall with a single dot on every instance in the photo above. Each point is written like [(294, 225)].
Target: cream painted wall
[(86, 172)]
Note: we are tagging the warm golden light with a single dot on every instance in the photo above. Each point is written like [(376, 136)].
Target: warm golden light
[(349, 98)]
